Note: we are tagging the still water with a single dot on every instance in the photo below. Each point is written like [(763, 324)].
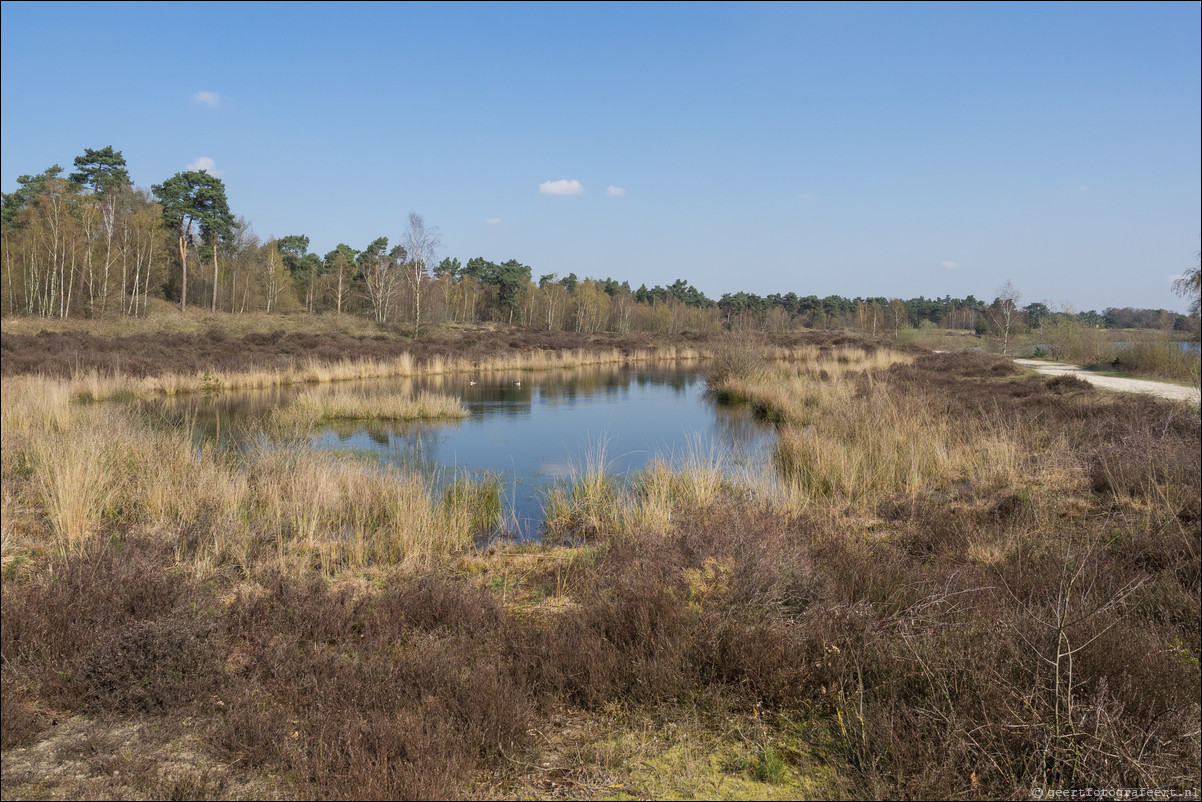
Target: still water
[(529, 436)]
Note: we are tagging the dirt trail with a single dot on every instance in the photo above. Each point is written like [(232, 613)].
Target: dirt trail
[(1176, 392)]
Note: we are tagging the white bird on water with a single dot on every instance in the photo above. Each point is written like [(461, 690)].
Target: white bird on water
[(517, 383)]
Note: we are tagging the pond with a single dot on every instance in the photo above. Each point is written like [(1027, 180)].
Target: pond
[(551, 427)]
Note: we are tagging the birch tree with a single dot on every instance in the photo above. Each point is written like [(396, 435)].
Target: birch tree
[(104, 172), (421, 243), (1005, 313)]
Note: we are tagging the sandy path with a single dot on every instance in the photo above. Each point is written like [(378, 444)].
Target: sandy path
[(1175, 391)]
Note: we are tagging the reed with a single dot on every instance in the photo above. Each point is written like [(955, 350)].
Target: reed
[(585, 505), (344, 515), (844, 437), (83, 470), (91, 385), (311, 407), (594, 502)]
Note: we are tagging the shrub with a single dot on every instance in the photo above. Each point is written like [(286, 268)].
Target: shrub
[(151, 666)]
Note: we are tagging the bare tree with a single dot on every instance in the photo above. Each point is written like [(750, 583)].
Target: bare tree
[(1005, 313), (897, 311), (379, 268), (273, 277), (422, 243)]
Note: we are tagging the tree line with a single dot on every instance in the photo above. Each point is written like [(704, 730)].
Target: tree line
[(90, 244)]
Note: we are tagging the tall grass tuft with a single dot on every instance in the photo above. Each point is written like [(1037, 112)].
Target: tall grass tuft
[(75, 477), (586, 505)]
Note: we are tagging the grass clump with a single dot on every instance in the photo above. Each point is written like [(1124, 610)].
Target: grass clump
[(736, 357), (764, 765), (309, 408), (586, 506), (482, 497), (593, 502)]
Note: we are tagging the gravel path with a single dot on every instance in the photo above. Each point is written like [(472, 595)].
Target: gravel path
[(1176, 392)]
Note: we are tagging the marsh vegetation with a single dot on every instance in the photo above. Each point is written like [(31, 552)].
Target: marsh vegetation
[(953, 579)]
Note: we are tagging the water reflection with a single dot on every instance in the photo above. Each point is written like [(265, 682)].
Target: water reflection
[(530, 435)]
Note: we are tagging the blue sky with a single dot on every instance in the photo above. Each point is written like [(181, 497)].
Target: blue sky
[(852, 149)]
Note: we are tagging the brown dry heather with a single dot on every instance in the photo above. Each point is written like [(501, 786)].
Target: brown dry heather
[(958, 580)]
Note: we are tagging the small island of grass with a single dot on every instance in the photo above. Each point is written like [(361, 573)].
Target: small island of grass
[(311, 407)]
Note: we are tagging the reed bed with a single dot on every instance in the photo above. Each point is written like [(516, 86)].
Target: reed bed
[(309, 408), (91, 385), (844, 436), (73, 474)]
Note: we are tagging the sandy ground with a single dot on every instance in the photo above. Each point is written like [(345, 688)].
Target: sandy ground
[(1164, 390)]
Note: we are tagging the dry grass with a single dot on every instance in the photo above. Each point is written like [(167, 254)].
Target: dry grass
[(593, 502), (85, 470), (864, 448), (91, 385), (344, 515), (309, 408), (587, 504), (845, 436)]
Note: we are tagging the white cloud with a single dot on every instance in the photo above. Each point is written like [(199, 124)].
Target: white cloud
[(493, 221), (206, 165), (207, 98), (806, 196), (614, 192), (949, 265), (561, 187)]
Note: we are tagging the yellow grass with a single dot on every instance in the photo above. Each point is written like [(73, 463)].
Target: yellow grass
[(94, 386), (842, 439), (73, 473), (593, 501), (310, 407)]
